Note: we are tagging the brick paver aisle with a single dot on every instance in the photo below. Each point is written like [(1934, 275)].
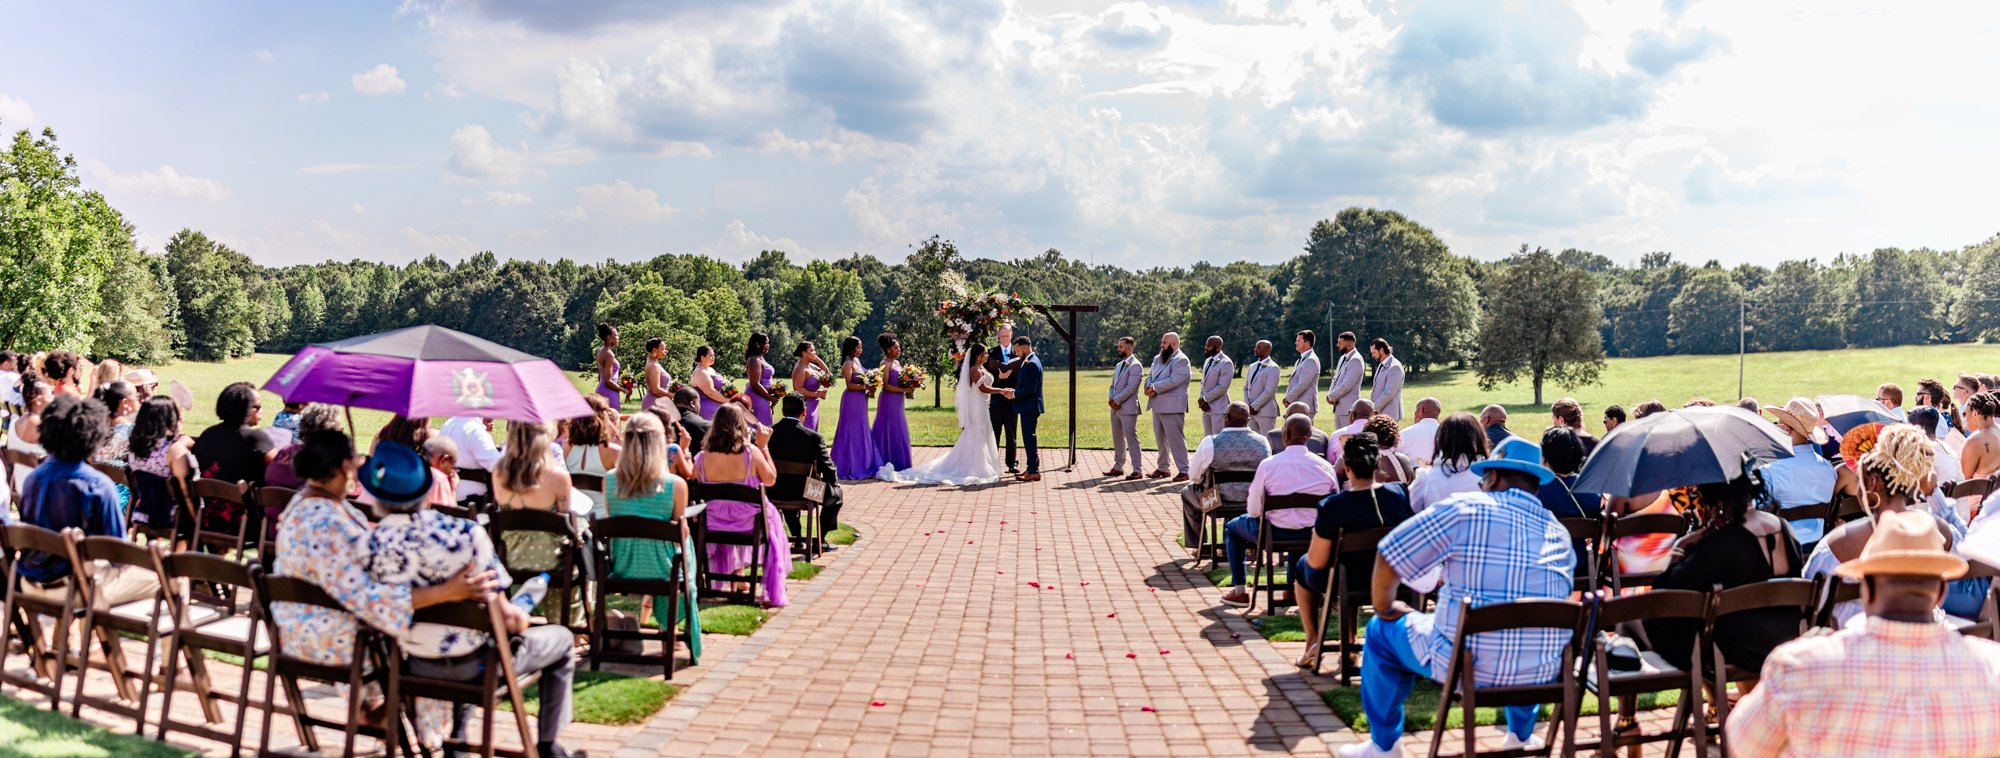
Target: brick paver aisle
[(933, 638)]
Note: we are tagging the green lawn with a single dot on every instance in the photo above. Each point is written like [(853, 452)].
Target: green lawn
[(1626, 381), (602, 697), (30, 732), (1420, 711)]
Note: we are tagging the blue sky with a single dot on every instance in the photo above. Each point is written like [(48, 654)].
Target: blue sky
[(1131, 133)]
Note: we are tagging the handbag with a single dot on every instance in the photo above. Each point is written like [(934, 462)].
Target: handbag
[(1210, 496)]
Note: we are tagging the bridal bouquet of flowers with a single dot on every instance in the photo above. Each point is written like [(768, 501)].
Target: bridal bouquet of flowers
[(871, 379), (911, 377)]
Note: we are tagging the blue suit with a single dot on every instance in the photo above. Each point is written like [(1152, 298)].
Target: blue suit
[(1028, 405)]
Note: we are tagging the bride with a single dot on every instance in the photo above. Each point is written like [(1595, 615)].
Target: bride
[(976, 457)]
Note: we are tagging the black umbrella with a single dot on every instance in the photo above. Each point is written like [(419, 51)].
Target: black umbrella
[(1844, 412), (1680, 448)]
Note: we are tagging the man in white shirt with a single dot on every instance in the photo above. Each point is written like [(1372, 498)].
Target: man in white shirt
[(1294, 470), (474, 437), (1420, 439)]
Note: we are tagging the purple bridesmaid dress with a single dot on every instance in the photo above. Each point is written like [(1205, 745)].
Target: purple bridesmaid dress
[(811, 419), (708, 407), (853, 449), (892, 431), (758, 404), (607, 386)]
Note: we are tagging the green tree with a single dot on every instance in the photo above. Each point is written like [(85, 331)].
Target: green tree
[(1976, 313), (527, 313), (1703, 317), (217, 318), (1379, 274), (648, 309), (308, 313), (135, 305), (1550, 335), (1142, 310), (1240, 310), (923, 281), (726, 327), (823, 304), (1795, 309), (271, 323), (1897, 300), (1637, 309), (770, 264), (57, 242)]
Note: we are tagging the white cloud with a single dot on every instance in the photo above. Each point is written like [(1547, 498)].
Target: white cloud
[(618, 202), (739, 242), (496, 197), (262, 56), (380, 80), (475, 156), (314, 97), (359, 209), (15, 112), (162, 182), (450, 91), (348, 168), (443, 245)]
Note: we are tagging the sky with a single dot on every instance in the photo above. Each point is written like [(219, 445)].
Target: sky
[(1129, 133)]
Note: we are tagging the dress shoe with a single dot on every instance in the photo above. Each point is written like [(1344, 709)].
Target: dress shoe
[(1031, 477), (1160, 474), (1180, 477), (1115, 472), (1135, 476)]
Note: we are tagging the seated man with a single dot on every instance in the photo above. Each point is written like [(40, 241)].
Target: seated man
[(65, 491), (793, 441), (1234, 447), (1899, 684), (1294, 470), (418, 547), (1493, 546), (688, 401), (1317, 443), (476, 449), (1805, 478)]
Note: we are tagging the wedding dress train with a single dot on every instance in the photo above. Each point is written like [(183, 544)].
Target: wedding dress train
[(976, 457)]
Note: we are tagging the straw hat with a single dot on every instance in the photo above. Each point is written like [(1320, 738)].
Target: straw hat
[(1905, 542), (1800, 415)]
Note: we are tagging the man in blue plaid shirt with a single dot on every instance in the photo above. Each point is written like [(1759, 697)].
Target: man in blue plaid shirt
[(1493, 546)]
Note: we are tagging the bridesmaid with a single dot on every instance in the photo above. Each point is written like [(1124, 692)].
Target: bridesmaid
[(854, 454), (659, 383), (808, 377), (607, 367), (708, 382), (757, 376), (892, 431)]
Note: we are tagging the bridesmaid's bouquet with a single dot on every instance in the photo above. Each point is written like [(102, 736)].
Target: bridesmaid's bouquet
[(780, 389), (729, 390), (910, 378), (872, 379), (628, 382)]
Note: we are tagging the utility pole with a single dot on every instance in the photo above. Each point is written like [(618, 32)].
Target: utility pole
[(1741, 342)]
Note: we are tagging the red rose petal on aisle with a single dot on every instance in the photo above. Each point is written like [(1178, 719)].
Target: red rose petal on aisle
[(999, 572), (1164, 652), (1147, 709), (968, 542), (1003, 523), (1070, 656), (1131, 655), (1152, 589), (1083, 584), (1036, 585), (878, 703), (1111, 615)]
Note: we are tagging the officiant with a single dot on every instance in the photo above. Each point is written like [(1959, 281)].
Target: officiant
[(1006, 423)]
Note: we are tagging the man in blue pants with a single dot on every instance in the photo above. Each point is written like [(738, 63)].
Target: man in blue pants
[(1493, 546)]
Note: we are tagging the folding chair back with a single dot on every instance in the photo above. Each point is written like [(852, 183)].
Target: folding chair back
[(1461, 680), (1271, 549), (1796, 594), (1344, 596), (587, 482), (1620, 527), (156, 499), (564, 581), (605, 535), (480, 477), (1211, 542), (1586, 537), (204, 622), (1980, 487), (752, 572), (287, 670), (271, 501), (806, 538), (496, 671), (209, 501), (96, 564), (20, 613), (1833, 591), (1821, 512), (113, 472), (1848, 509), (1655, 673)]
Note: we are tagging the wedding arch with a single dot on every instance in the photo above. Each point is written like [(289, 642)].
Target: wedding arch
[(1069, 338), (970, 317)]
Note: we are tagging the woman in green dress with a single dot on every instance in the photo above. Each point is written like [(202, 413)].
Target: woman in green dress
[(643, 485)]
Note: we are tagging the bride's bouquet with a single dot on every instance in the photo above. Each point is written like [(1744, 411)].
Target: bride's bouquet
[(910, 378)]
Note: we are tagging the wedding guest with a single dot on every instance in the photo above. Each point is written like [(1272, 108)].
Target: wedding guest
[(1613, 416), (285, 426), (757, 374), (1750, 404), (157, 452), (1890, 395), (1391, 465), (1734, 546), (809, 379), (67, 492), (1366, 503), (63, 370), (1980, 457), (529, 477), (1166, 384), (143, 382), (854, 455), (234, 450), (1945, 470), (1805, 478), (688, 403), (1493, 420), (1893, 475), (476, 448), (1563, 452), (1932, 394), (659, 381), (1459, 444), (608, 385), (1303, 387), (1419, 440), (10, 379), (1318, 442), (25, 436), (1217, 371), (1235, 448), (1126, 378), (441, 454), (793, 441), (592, 446), (709, 382), (313, 417), (1386, 390), (1260, 390), (1648, 408), (1347, 371), (891, 429), (730, 455), (1567, 412), (123, 403), (105, 373), (405, 431), (1294, 470), (645, 485)]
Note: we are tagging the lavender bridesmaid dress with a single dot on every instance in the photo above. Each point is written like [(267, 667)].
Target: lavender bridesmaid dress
[(811, 419), (607, 386), (758, 404), (853, 449), (892, 431), (708, 407)]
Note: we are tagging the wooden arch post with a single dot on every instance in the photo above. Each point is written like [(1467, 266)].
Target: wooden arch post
[(1069, 337)]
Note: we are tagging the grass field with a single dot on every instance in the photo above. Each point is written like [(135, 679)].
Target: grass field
[(1626, 381)]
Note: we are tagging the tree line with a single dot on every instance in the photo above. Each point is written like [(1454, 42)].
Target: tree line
[(72, 276)]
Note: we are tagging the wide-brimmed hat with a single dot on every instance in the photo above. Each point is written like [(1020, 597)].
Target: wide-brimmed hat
[(1800, 415), (1516, 454), (1905, 542), (396, 475), (140, 377)]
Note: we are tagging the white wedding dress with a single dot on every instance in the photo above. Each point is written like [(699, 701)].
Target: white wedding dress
[(976, 457)]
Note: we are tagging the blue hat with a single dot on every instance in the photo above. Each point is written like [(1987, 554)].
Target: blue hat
[(1516, 454), (396, 475)]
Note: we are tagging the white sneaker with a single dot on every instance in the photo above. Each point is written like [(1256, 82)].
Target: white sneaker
[(1534, 742), (1367, 749)]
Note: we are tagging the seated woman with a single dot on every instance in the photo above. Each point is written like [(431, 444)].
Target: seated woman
[(1460, 443), (24, 435), (233, 450), (1735, 545), (1393, 467), (592, 446), (729, 456), (1365, 504), (1894, 476), (528, 476), (1562, 450), (157, 452), (643, 485), (313, 417), (441, 454)]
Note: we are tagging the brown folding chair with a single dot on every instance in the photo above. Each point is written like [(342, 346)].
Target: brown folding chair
[(1987, 624), (1821, 511), (1654, 675), (1210, 545), (209, 496), (287, 670), (605, 533), (21, 613), (1833, 591), (1271, 550), (1633, 525), (496, 672), (1343, 598), (587, 482), (1980, 487), (143, 488), (565, 582), (1586, 537), (1798, 594), (806, 539), (146, 619), (202, 624), (1848, 509), (272, 501), (481, 477), (751, 574), (1460, 677)]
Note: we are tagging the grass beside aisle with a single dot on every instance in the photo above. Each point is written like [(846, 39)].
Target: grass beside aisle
[(29, 731)]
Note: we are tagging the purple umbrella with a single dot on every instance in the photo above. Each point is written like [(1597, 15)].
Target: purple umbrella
[(430, 371)]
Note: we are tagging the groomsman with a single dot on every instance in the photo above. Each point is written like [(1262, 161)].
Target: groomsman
[(1260, 389), (1217, 371), (1304, 386), (1166, 384), (1387, 389), (1347, 370), (1124, 401)]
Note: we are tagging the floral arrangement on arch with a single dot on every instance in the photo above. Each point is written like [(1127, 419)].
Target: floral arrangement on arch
[(970, 318)]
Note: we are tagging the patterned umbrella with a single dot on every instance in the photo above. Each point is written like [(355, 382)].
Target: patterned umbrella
[(1680, 448), (430, 371)]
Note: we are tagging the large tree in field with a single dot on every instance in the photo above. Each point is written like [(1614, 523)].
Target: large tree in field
[(1703, 318), (1637, 309), (57, 243), (822, 304), (1379, 274), (136, 309), (1795, 309), (1897, 300), (1241, 309), (923, 281), (217, 318), (1541, 323)]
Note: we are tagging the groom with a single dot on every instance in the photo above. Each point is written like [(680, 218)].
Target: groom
[(1028, 403)]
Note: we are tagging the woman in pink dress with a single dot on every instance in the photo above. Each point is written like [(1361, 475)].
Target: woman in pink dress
[(731, 456)]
